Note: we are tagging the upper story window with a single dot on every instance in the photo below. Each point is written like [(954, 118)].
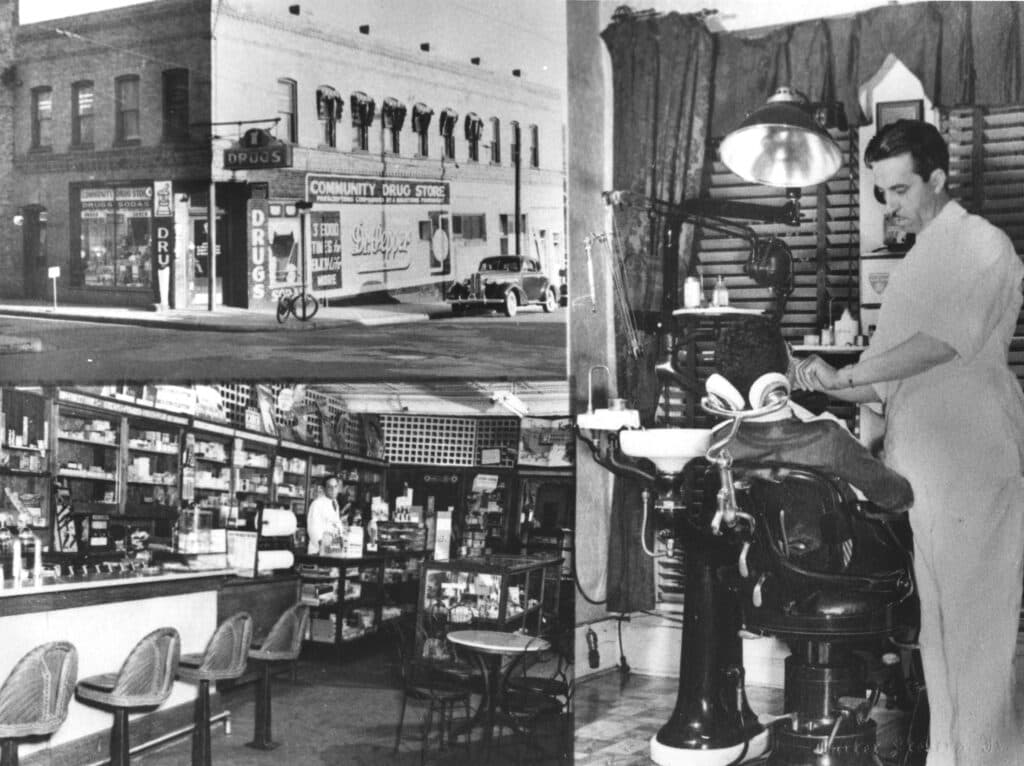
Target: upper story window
[(446, 126), (83, 101), (470, 226), (42, 117), (534, 147), (392, 112), (514, 144), (286, 111), (495, 140), (474, 128), (329, 106), (175, 83), (421, 115), (126, 102), (363, 110)]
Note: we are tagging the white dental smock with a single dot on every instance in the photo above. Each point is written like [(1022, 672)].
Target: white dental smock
[(956, 432)]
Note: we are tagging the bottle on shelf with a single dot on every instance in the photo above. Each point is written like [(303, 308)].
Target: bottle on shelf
[(720, 295)]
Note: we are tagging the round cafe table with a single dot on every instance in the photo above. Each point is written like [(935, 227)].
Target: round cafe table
[(490, 647)]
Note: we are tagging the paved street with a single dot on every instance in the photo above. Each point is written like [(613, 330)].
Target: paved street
[(488, 346)]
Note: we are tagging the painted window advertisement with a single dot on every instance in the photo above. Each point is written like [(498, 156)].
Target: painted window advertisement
[(115, 232), (325, 250), (366, 233), (275, 250)]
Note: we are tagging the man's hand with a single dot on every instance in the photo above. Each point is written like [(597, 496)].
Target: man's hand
[(815, 374)]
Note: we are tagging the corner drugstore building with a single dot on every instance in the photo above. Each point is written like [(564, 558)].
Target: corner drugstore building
[(133, 129)]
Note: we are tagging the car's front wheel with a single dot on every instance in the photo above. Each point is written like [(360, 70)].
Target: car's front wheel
[(550, 300), (511, 303)]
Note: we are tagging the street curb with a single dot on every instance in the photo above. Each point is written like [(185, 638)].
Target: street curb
[(242, 326), (10, 344)]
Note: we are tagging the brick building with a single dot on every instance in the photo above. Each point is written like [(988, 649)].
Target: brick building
[(133, 128)]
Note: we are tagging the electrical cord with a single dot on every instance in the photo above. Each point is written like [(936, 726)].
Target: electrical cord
[(579, 587), (623, 665)]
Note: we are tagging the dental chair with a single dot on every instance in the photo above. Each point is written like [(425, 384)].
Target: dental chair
[(826, 575), (786, 551)]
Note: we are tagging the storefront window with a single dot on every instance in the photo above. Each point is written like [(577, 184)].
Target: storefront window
[(116, 232)]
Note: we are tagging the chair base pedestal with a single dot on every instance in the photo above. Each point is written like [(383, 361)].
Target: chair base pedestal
[(119, 751), (262, 739), (257, 745), (8, 752)]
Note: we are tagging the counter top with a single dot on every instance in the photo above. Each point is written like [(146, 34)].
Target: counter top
[(111, 580), (73, 592)]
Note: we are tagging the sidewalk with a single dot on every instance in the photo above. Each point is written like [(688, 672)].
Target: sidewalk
[(229, 319)]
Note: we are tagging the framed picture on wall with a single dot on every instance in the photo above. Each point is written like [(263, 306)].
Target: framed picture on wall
[(890, 111)]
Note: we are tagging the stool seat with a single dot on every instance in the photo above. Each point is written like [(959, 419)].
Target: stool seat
[(225, 657), (34, 698), (103, 683), (144, 680)]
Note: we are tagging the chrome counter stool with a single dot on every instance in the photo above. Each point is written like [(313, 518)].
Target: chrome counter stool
[(144, 681), (34, 698), (225, 657)]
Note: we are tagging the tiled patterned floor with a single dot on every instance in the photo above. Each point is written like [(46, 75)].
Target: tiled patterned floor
[(615, 721)]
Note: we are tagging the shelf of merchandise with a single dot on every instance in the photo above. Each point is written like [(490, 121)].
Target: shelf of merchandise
[(87, 454), (25, 478), (291, 476), (209, 467), (351, 598), (152, 466), (252, 460)]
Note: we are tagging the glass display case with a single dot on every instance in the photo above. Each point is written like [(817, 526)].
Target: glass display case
[(498, 592)]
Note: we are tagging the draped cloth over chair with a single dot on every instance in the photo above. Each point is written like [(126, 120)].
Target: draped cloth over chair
[(282, 644), (144, 681), (34, 698), (225, 657)]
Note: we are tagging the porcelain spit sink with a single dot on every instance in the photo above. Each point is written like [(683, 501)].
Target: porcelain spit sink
[(668, 448)]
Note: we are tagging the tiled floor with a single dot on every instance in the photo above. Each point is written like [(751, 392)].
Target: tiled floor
[(616, 719)]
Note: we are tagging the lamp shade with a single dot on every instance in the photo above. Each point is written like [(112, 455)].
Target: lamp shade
[(780, 144)]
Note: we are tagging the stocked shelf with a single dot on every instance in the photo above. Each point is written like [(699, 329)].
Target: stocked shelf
[(353, 597)]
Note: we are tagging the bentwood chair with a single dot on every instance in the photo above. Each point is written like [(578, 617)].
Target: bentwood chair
[(144, 681), (434, 681), (34, 698), (538, 698), (224, 658), (282, 644)]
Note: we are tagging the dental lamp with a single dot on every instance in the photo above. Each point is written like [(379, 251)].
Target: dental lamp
[(783, 143)]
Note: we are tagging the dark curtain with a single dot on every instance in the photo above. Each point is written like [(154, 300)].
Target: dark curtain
[(661, 78), (964, 53)]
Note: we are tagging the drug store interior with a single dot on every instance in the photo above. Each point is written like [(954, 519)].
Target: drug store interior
[(134, 509)]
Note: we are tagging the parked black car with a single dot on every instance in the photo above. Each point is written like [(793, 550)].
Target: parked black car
[(506, 282)]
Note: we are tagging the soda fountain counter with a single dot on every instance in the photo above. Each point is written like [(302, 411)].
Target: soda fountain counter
[(104, 616)]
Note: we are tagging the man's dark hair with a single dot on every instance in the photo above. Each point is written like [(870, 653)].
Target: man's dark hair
[(746, 350), (921, 140)]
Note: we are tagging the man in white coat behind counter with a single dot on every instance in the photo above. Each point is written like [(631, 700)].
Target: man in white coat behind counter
[(323, 517)]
